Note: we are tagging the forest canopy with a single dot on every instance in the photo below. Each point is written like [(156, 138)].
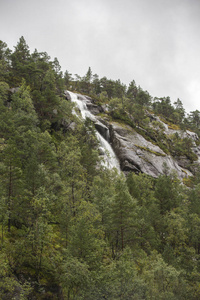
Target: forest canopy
[(69, 227)]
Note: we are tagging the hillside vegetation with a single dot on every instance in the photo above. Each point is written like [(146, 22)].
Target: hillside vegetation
[(72, 229)]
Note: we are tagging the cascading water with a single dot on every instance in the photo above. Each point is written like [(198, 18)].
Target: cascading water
[(110, 159)]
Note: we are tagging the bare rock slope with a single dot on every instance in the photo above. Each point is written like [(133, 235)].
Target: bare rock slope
[(139, 155)]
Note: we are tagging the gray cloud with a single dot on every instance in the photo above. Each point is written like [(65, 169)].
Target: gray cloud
[(154, 42)]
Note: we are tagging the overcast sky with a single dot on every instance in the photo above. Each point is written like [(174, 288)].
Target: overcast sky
[(154, 42)]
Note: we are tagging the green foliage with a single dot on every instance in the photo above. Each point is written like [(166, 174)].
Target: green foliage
[(10, 287), (122, 214), (182, 147), (70, 229), (163, 280), (143, 98), (4, 87)]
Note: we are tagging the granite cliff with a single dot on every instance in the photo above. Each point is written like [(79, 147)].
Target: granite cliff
[(135, 151)]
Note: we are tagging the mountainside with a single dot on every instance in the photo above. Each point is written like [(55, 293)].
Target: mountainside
[(100, 187), (135, 148)]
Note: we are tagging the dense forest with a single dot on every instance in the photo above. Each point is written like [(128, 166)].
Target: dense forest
[(71, 228)]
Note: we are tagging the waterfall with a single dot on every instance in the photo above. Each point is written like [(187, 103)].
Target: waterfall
[(110, 159)]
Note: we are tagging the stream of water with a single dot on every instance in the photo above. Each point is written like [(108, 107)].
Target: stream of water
[(110, 159)]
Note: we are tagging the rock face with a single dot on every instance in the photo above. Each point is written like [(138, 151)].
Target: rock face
[(93, 108), (137, 154)]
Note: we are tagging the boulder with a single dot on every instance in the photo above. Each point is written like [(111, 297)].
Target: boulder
[(93, 108), (67, 95)]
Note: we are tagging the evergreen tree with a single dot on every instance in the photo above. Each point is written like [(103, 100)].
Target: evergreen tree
[(122, 216), (5, 53), (20, 61), (132, 90)]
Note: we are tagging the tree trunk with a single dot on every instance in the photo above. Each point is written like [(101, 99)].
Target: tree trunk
[(9, 197)]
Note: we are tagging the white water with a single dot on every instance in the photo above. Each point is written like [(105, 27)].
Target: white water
[(110, 159)]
